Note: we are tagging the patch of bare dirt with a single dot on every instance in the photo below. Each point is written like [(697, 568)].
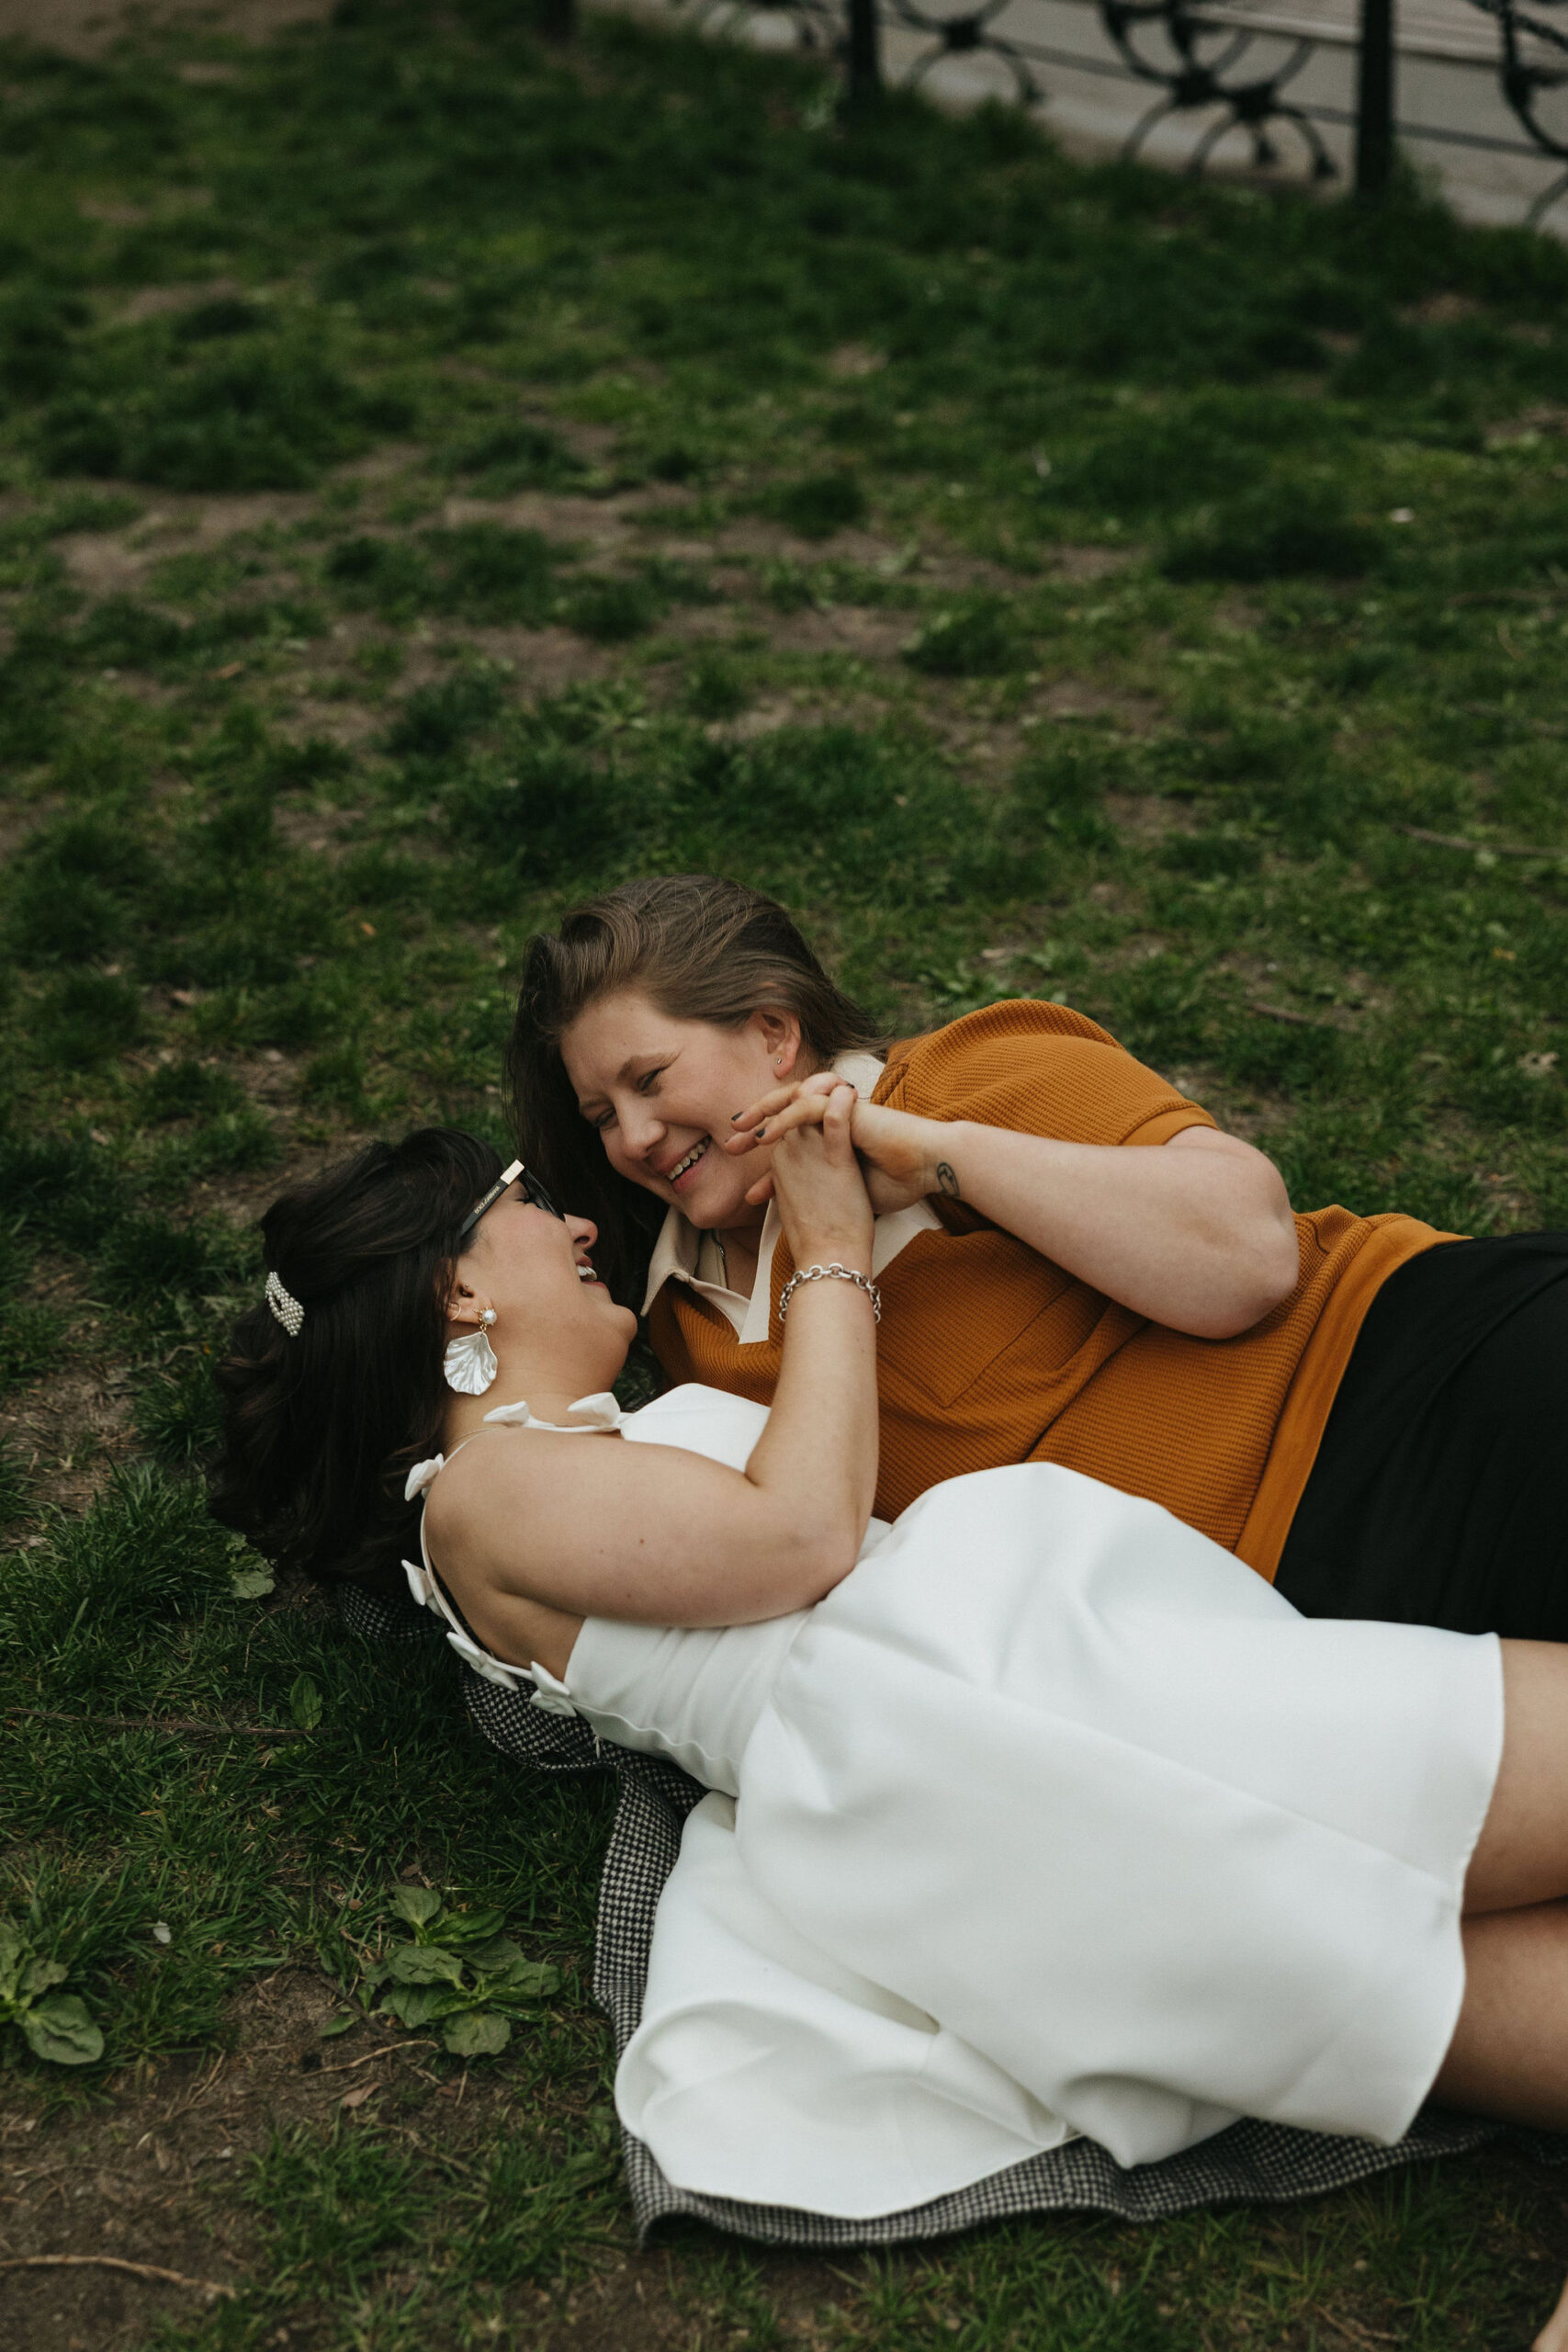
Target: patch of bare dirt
[(112, 214), (161, 301), (538, 661), (647, 2302), (1237, 615), (844, 629), (754, 535), (695, 623), (683, 550), (76, 1421), (20, 819), (1146, 818), (766, 717), (136, 2179), (138, 688), (1248, 1112), (1444, 309), (855, 359), (599, 526), (1531, 424), (146, 2178), (546, 660), (598, 521), (208, 516), (347, 723), (86, 27), (1076, 698), (763, 719), (241, 1199), (1089, 563), (108, 563), (102, 563)]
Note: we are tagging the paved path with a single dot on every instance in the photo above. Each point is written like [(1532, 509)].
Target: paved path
[(1446, 81)]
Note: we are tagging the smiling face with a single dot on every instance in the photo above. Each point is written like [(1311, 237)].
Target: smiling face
[(661, 1094), (536, 1271)]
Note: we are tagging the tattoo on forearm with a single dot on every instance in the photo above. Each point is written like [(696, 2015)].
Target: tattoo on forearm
[(947, 1178)]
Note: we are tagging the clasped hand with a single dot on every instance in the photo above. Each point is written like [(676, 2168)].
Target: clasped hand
[(899, 1153), (822, 1200)]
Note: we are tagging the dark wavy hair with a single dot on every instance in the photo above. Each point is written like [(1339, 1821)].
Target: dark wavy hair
[(703, 949), (321, 1432)]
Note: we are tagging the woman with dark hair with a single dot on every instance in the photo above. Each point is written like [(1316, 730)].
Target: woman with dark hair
[(367, 1247), (1033, 1814), (1077, 1267)]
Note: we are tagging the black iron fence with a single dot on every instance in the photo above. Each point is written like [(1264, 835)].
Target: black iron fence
[(1225, 65)]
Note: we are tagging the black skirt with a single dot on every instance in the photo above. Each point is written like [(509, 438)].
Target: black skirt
[(1437, 1497)]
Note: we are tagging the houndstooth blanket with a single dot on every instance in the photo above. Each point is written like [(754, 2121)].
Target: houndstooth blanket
[(1256, 2163)]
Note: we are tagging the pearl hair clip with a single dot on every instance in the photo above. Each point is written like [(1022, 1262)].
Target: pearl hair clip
[(285, 1306)]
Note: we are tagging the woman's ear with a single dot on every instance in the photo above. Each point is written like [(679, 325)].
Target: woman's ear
[(780, 1036), (464, 1304)]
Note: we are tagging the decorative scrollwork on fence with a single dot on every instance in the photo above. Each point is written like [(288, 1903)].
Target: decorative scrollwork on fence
[(818, 24), (1199, 57), (1192, 80), (1529, 72), (963, 36)]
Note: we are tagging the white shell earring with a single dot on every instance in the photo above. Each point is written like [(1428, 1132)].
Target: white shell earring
[(470, 1362)]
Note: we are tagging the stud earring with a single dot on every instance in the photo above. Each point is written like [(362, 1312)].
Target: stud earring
[(469, 1364)]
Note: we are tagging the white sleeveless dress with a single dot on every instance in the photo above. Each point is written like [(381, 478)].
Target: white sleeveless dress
[(1052, 1818)]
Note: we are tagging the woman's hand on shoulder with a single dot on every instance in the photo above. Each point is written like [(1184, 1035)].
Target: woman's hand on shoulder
[(900, 1155)]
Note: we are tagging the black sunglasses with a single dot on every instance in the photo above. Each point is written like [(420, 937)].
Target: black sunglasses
[(532, 1190)]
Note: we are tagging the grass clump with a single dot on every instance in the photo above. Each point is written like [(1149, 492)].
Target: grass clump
[(612, 611), (13, 1488), (179, 1413), (716, 687), (478, 571), (89, 1017), (73, 889), (1276, 532), (820, 504), (518, 456), (147, 1260), (250, 419), (975, 637), (185, 1089), (434, 719)]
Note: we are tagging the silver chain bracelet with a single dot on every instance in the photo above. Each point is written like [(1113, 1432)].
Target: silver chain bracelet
[(835, 1273)]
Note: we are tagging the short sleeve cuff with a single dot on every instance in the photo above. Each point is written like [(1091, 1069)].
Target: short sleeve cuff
[(1166, 1124)]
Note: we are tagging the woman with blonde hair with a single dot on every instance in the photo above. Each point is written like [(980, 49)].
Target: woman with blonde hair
[(1077, 1266)]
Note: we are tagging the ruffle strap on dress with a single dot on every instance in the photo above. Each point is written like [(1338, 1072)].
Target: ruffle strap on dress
[(535, 1683), (599, 1411)]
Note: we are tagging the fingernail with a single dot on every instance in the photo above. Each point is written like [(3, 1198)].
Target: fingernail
[(762, 1130), (735, 1119)]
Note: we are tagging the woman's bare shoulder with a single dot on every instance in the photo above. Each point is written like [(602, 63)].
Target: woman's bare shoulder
[(497, 1468)]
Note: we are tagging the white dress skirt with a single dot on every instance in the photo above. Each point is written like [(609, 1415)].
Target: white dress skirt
[(1052, 1818)]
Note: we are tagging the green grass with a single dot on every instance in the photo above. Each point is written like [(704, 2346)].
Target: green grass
[(439, 475)]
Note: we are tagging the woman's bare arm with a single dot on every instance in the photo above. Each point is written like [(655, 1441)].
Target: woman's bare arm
[(1197, 1233), (1553, 2336), (594, 1527)]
